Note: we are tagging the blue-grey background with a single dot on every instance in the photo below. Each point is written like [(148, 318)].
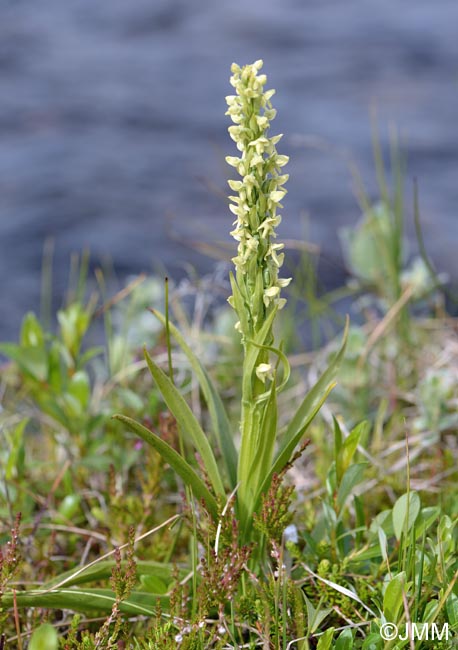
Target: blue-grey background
[(113, 133)]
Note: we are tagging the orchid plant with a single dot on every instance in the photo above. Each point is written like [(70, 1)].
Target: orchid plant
[(263, 450)]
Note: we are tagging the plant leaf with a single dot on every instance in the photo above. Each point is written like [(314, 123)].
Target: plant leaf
[(252, 474), (187, 422), (427, 517), (153, 584), (85, 600), (181, 467), (44, 638), (309, 407), (451, 607), (392, 600), (218, 415), (383, 543), (33, 361), (337, 449), (324, 642), (315, 616), (103, 570), (344, 641), (341, 590), (350, 479), (304, 415), (405, 512), (349, 446)]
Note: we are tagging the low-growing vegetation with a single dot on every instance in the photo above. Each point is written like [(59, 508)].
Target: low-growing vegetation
[(197, 481)]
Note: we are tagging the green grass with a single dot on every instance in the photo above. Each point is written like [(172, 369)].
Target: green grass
[(312, 528)]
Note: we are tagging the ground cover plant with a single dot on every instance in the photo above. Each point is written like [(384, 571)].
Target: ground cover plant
[(234, 500)]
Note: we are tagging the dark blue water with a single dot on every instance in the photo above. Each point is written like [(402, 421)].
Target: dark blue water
[(113, 133)]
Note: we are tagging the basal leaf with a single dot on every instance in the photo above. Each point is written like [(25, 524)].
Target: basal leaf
[(153, 584), (218, 415), (85, 600), (187, 422), (102, 571), (304, 415), (181, 467), (309, 407)]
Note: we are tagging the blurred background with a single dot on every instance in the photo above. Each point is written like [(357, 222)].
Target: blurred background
[(113, 133)]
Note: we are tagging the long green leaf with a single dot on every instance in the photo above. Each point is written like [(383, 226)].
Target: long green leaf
[(304, 415), (181, 467), (310, 405), (187, 422), (218, 415), (102, 571), (85, 600), (265, 441)]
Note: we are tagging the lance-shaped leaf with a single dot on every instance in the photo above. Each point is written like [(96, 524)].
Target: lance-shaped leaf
[(304, 415), (218, 415), (85, 600), (103, 570), (258, 444), (181, 467), (252, 474), (187, 422)]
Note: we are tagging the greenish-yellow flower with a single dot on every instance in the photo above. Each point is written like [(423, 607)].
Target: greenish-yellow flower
[(260, 192)]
